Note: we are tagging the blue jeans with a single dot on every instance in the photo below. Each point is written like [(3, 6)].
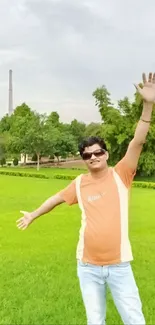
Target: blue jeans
[(119, 278)]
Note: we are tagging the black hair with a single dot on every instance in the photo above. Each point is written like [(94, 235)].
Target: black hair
[(88, 142)]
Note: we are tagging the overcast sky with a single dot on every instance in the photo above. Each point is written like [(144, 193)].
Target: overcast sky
[(60, 51)]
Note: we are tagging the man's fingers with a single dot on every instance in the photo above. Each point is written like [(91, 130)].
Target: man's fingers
[(23, 212), (24, 227), (19, 220), (22, 222), (21, 226), (150, 77), (144, 78)]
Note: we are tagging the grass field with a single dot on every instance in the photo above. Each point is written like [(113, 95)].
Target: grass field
[(38, 282)]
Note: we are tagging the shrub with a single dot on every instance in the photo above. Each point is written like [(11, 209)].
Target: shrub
[(15, 162), (3, 161), (51, 157), (146, 166), (67, 177), (144, 184), (34, 157), (13, 173)]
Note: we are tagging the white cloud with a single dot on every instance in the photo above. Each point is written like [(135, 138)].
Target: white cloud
[(61, 50)]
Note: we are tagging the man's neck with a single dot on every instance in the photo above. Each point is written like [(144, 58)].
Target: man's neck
[(99, 173)]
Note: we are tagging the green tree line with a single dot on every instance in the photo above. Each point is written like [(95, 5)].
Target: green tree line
[(28, 132)]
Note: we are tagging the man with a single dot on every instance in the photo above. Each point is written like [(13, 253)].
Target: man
[(104, 251)]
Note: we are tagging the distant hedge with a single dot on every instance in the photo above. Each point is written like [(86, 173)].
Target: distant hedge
[(12, 173), (36, 175), (144, 185), (150, 185), (61, 176)]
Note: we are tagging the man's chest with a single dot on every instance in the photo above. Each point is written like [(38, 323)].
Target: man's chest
[(99, 193)]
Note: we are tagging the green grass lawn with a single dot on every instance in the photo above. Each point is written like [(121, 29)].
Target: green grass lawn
[(38, 282)]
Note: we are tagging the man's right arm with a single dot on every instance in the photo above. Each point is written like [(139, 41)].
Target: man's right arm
[(47, 206), (67, 195)]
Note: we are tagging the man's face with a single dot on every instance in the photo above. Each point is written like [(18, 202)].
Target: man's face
[(98, 161)]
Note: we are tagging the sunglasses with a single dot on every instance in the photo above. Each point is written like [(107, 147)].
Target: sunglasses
[(88, 155)]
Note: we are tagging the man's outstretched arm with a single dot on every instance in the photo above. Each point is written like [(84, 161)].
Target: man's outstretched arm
[(136, 145), (67, 195), (48, 205)]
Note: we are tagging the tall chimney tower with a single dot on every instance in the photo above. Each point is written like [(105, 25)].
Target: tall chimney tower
[(10, 93)]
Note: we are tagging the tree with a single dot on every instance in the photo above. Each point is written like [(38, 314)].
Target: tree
[(43, 138), (5, 123), (65, 145), (20, 123), (109, 114), (2, 161), (53, 119), (113, 125), (77, 130), (22, 111), (65, 127), (93, 129), (36, 137), (2, 147), (62, 142)]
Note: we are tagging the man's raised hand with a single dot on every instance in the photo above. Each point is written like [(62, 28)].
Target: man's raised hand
[(148, 90)]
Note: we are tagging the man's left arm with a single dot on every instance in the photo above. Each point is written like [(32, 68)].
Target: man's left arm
[(135, 147)]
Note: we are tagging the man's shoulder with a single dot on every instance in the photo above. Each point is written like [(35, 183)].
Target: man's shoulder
[(84, 178)]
